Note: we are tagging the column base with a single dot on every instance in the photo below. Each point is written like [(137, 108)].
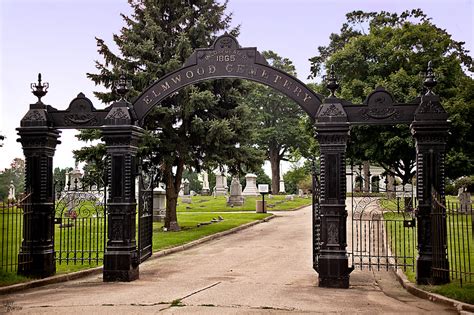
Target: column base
[(36, 265), (334, 272), (423, 270), (120, 266)]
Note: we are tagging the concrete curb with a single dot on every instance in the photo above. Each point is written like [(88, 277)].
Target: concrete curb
[(410, 287), (97, 270)]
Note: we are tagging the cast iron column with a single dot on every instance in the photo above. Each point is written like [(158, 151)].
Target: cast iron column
[(332, 132), (39, 140), (121, 257), (121, 137), (430, 130)]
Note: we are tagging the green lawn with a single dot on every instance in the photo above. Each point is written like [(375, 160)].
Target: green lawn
[(218, 204)]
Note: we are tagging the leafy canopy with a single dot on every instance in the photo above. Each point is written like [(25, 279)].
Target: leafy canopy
[(392, 50)]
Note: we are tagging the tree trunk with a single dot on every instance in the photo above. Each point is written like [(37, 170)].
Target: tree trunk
[(390, 187), (173, 184), (274, 156), (171, 218), (366, 176)]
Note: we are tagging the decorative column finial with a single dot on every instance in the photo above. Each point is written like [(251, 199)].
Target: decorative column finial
[(430, 81), (332, 84), (122, 85), (39, 89)]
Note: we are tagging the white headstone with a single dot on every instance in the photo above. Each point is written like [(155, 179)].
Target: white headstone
[(282, 186), (159, 204), (250, 185), (221, 185), (205, 183), (11, 191), (235, 198)]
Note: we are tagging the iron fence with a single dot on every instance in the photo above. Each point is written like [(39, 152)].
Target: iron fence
[(13, 227), (457, 258)]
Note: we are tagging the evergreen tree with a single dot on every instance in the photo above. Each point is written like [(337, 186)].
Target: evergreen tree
[(203, 125)]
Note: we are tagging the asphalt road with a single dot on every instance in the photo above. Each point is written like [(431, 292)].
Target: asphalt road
[(263, 269)]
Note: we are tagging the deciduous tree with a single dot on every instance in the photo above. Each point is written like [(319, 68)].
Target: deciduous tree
[(392, 50)]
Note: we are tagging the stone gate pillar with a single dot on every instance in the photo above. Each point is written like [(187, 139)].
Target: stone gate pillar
[(39, 140), (430, 131), (121, 138), (332, 133)]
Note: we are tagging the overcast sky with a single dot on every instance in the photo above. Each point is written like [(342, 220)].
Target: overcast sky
[(56, 38)]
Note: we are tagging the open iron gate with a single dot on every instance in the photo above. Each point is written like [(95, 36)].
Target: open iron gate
[(80, 219), (382, 231), (145, 214)]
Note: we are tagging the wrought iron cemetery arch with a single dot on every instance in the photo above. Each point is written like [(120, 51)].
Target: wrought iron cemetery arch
[(120, 124)]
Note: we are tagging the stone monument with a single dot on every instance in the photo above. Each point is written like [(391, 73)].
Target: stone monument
[(186, 197), (73, 179), (250, 185), (464, 200), (159, 204), (221, 185), (236, 198), (205, 184), (11, 191), (282, 186)]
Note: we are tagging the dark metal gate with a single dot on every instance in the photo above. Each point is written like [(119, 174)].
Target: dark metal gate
[(145, 214), (383, 230), (80, 229)]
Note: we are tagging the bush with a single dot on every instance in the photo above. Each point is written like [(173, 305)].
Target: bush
[(450, 189), (466, 182)]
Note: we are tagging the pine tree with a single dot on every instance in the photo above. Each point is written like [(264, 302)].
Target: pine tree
[(203, 125)]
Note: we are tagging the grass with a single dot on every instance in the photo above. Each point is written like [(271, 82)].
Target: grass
[(88, 233), (460, 253), (218, 204), (190, 232)]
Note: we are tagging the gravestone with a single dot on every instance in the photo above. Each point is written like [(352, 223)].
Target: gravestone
[(159, 204), (464, 200), (74, 178), (235, 198), (205, 184), (186, 197), (186, 189), (300, 193), (221, 185), (11, 191), (282, 186), (250, 185)]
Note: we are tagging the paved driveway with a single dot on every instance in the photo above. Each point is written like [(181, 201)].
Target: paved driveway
[(263, 269)]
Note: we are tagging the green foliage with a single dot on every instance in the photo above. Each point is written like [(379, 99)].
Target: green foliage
[(393, 51), (464, 182), (201, 126), (294, 176), (263, 178), (15, 174), (280, 120), (192, 177)]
